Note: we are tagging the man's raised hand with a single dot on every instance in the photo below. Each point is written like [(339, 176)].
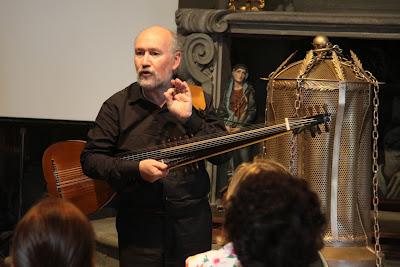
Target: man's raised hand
[(179, 99)]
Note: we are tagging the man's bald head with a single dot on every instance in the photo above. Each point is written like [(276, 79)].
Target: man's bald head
[(169, 35)]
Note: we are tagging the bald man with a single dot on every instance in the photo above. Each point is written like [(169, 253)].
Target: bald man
[(163, 216)]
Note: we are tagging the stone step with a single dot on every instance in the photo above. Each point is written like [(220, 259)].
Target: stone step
[(106, 242)]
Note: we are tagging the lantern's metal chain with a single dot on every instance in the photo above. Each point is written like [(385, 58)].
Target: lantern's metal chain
[(297, 105), (357, 72), (375, 166), (375, 135), (298, 102), (299, 99)]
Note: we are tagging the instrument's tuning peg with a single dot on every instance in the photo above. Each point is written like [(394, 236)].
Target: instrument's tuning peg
[(303, 111), (192, 167), (312, 131), (319, 131), (318, 109), (326, 126), (310, 110), (325, 108), (175, 140)]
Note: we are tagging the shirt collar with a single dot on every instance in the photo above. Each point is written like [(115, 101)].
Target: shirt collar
[(135, 93)]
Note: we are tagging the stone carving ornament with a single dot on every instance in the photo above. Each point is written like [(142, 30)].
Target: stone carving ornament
[(198, 59), (201, 20)]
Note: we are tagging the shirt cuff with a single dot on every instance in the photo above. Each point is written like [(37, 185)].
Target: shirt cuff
[(129, 171)]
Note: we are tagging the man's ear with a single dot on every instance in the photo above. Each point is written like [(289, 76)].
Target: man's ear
[(177, 60)]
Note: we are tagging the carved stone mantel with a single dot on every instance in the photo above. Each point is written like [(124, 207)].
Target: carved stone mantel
[(372, 26), (204, 33)]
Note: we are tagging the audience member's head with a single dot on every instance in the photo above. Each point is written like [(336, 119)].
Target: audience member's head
[(273, 218), (53, 233)]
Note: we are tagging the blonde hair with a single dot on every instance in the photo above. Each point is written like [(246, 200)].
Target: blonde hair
[(252, 168)]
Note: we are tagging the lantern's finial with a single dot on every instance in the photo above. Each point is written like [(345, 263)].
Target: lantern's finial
[(321, 42)]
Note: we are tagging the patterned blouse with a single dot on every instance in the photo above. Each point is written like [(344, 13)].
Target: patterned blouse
[(223, 257), (226, 257)]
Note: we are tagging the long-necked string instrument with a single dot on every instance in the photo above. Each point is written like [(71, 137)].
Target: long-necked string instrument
[(64, 177)]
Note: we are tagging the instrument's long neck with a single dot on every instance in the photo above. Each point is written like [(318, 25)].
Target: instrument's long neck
[(194, 149)]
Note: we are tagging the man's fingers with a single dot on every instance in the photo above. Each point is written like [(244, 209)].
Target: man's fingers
[(180, 86), (152, 170), (176, 82), (161, 165), (169, 94)]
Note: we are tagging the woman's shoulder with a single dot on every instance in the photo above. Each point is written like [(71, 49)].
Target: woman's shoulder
[(224, 256)]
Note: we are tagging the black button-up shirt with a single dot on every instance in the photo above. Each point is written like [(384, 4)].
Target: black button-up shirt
[(128, 122)]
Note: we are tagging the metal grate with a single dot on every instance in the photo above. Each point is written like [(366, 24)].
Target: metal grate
[(349, 223)]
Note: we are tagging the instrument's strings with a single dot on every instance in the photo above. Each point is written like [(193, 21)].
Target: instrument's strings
[(159, 149), (241, 136), (190, 146), (76, 180), (188, 141), (220, 140), (71, 176), (71, 192), (185, 148), (73, 169)]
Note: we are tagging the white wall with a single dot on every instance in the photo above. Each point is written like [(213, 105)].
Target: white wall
[(60, 59)]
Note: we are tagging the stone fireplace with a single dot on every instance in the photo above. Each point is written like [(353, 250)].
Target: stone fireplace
[(215, 40)]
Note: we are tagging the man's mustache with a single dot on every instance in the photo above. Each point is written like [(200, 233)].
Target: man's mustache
[(141, 72)]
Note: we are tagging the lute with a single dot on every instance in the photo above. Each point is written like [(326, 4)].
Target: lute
[(64, 177)]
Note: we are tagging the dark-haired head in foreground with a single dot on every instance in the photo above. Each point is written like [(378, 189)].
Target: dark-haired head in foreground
[(53, 233), (273, 218)]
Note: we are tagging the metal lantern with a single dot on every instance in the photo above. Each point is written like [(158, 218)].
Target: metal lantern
[(337, 163)]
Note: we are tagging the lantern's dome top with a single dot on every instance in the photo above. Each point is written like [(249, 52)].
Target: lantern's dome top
[(325, 62)]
